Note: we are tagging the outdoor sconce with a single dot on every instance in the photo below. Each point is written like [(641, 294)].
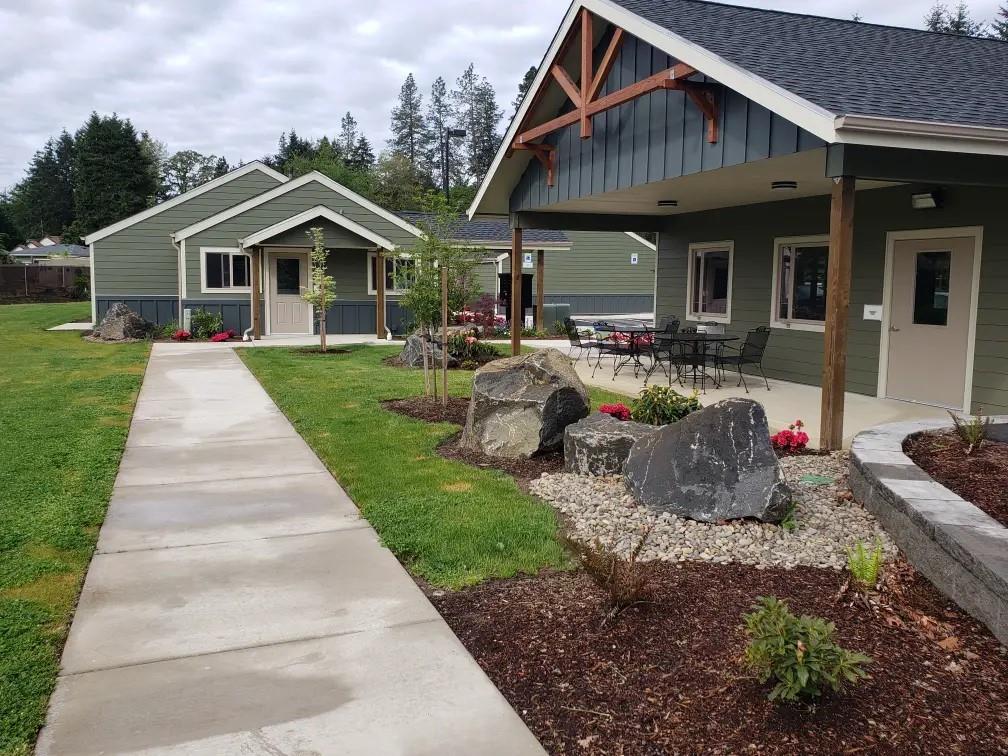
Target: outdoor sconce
[(925, 200)]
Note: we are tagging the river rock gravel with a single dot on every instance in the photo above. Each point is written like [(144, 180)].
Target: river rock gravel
[(826, 520)]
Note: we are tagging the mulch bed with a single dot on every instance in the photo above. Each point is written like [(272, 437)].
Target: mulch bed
[(665, 677), (431, 410), (524, 471), (980, 478)]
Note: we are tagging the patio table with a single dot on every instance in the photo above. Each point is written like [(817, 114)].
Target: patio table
[(696, 357), (636, 332)]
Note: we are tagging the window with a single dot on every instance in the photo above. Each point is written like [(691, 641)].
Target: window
[(799, 287), (226, 270), (398, 273), (931, 288), (288, 275), (708, 282)]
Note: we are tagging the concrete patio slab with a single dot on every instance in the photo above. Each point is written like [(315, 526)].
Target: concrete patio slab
[(157, 517), (391, 691), (72, 327)]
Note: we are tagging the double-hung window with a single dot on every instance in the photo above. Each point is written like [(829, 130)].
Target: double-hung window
[(398, 273), (709, 281), (225, 270), (799, 292)]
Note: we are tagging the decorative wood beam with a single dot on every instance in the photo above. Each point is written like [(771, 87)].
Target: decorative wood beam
[(605, 67), (566, 83), (703, 98), (544, 153), (587, 53)]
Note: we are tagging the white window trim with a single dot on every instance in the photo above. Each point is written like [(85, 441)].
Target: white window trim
[(372, 284), (700, 317), (232, 251), (815, 240)]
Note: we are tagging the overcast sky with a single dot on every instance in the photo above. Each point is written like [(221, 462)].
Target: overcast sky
[(227, 76)]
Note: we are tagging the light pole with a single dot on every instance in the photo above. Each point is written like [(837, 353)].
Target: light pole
[(446, 153)]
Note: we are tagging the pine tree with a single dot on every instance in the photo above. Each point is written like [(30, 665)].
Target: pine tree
[(362, 157), (42, 203), (112, 174), (348, 135), (523, 88), (999, 26), (475, 108), (221, 167), (410, 136), (955, 21), (440, 118)]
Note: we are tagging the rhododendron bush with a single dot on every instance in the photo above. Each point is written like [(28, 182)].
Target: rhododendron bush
[(792, 438)]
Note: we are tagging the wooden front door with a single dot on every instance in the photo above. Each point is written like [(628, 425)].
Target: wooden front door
[(289, 313), (929, 320)]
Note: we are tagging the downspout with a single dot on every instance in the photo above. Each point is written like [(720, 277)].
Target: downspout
[(181, 272)]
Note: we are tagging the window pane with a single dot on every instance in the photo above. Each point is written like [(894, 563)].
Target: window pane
[(241, 270), (931, 290), (715, 282), (809, 290), (695, 294), (390, 273), (372, 268), (403, 276), (215, 267), (288, 274), (784, 284)]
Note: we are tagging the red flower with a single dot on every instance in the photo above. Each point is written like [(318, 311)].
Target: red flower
[(181, 335), (223, 335), (618, 410), (793, 438)]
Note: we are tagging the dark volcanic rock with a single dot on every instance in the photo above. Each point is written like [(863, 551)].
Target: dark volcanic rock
[(521, 405), (600, 444), (121, 323), (412, 352), (715, 464)]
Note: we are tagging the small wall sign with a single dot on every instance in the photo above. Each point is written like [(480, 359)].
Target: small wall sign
[(527, 260), (633, 258), (873, 312)]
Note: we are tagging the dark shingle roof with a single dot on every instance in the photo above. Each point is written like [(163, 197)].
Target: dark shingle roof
[(490, 230), (849, 67), (56, 250)]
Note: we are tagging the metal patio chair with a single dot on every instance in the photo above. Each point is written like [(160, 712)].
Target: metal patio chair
[(665, 348), (750, 353), (578, 346)]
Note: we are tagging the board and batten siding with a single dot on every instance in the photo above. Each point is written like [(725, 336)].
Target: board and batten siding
[(141, 261), (228, 232), (797, 355), (658, 136)]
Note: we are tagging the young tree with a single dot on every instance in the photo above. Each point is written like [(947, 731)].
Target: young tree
[(321, 295), (410, 135), (475, 109), (112, 174), (523, 89)]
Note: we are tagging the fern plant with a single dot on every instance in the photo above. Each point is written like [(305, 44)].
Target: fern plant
[(973, 431), (799, 653), (864, 565)]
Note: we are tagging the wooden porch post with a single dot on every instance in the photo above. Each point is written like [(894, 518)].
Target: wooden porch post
[(256, 315), (380, 293), (516, 290), (838, 283), (540, 288)]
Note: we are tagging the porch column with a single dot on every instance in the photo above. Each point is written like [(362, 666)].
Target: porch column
[(540, 288), (838, 283), (256, 315), (380, 293), (516, 281)]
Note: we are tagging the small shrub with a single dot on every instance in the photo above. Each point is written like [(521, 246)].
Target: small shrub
[(618, 410), (467, 347), (789, 523), (181, 335), (621, 578), (799, 653), (660, 405), (973, 432), (204, 324), (864, 565), (793, 438)]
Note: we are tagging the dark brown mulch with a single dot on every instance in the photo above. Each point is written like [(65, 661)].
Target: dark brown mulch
[(980, 478), (524, 471), (665, 677), (431, 410)]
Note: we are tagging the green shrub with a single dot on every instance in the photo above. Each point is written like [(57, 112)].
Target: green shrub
[(465, 347), (973, 432), (203, 324), (864, 565), (164, 331), (799, 653), (660, 405)]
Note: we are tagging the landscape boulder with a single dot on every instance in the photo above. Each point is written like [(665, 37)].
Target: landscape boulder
[(600, 444), (412, 352), (120, 324), (521, 405), (715, 464)]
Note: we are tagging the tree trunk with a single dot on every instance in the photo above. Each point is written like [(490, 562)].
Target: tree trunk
[(322, 318), (426, 370)]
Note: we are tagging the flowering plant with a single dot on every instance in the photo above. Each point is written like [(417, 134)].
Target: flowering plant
[(223, 335), (618, 410), (181, 335), (792, 438)]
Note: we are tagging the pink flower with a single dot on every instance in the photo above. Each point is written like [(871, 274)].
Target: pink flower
[(618, 410), (223, 336), (470, 340), (181, 335)]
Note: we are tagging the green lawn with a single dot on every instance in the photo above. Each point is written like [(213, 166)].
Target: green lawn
[(65, 407), (450, 523)]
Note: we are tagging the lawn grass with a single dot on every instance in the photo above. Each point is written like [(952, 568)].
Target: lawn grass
[(449, 523), (65, 407)]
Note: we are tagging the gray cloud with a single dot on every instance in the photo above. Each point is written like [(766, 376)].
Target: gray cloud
[(227, 76)]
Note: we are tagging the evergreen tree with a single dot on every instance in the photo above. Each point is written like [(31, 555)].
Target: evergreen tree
[(362, 157), (289, 146), (999, 26), (475, 109), (112, 174), (157, 155), (42, 203), (523, 88), (940, 18), (10, 235), (410, 136), (440, 118), (221, 167), (348, 135), (397, 184)]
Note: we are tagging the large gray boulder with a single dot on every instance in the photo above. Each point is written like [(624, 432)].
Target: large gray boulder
[(521, 405), (412, 352), (120, 324), (600, 444), (715, 464)]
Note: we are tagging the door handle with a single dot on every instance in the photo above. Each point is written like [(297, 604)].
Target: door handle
[(893, 329)]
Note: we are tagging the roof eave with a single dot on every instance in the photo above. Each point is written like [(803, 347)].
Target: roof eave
[(924, 135)]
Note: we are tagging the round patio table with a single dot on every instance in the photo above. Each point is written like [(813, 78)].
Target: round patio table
[(635, 331), (695, 359)]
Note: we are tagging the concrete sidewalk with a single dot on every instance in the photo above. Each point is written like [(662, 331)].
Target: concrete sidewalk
[(238, 603)]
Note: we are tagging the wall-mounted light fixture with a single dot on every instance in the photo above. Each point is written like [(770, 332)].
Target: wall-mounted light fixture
[(783, 185), (668, 203), (925, 200)]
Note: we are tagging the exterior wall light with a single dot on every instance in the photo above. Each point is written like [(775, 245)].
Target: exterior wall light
[(925, 201), (783, 185)]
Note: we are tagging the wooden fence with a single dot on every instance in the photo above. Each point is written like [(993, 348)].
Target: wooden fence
[(34, 280)]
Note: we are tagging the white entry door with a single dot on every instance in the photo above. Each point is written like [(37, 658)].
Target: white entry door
[(289, 313), (929, 320)]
